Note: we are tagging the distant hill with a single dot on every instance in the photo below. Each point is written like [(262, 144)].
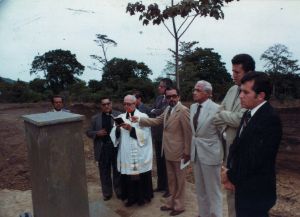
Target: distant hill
[(7, 80)]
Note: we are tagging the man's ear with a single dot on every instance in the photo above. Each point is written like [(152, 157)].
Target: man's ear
[(261, 96)]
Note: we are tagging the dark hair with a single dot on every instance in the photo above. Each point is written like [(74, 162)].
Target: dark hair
[(173, 88), (137, 94), (56, 96), (246, 60), (102, 98), (167, 81), (262, 83)]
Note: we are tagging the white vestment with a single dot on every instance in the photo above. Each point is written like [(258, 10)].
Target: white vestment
[(134, 155)]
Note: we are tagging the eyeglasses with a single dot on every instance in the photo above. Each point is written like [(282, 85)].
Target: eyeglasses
[(172, 96), (128, 104), (106, 104)]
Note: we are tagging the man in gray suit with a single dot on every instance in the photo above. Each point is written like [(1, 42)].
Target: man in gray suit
[(104, 150), (230, 113), (206, 151)]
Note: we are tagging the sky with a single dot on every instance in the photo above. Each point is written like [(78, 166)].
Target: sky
[(33, 27)]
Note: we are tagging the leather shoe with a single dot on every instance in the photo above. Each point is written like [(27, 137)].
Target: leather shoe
[(158, 190), (106, 198), (176, 212), (165, 208), (166, 194), (129, 203)]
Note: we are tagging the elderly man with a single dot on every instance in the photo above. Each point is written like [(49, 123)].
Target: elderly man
[(251, 162), (231, 112), (134, 156), (58, 104), (176, 146), (206, 151), (104, 150)]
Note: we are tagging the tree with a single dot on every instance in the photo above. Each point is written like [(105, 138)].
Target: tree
[(188, 10), (282, 70), (104, 43), (278, 58), (202, 64), (123, 75), (59, 67)]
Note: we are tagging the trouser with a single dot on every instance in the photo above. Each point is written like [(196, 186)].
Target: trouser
[(162, 179), (108, 162), (176, 180), (208, 188)]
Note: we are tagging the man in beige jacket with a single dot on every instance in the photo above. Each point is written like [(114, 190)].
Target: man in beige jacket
[(230, 113), (176, 146)]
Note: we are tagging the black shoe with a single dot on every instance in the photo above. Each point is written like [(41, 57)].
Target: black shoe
[(158, 190), (129, 203), (106, 198), (166, 194)]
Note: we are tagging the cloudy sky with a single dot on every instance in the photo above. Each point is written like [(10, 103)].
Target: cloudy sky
[(32, 27)]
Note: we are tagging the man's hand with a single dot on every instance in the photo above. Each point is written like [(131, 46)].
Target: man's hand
[(101, 132), (126, 126), (186, 158), (225, 181), (134, 119)]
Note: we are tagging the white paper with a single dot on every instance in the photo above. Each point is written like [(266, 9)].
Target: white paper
[(184, 165)]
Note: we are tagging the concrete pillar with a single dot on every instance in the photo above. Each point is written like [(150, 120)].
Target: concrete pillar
[(56, 157)]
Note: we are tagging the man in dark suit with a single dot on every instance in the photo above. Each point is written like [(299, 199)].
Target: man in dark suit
[(157, 134), (104, 150), (139, 102), (250, 168)]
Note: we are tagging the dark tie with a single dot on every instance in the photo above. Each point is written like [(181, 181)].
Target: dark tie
[(169, 113), (196, 116), (247, 118)]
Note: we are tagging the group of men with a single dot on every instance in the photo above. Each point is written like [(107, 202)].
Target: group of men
[(234, 144)]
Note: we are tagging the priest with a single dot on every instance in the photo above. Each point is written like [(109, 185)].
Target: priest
[(135, 154)]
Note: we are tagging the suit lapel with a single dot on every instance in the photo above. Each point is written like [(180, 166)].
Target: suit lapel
[(172, 116), (236, 101)]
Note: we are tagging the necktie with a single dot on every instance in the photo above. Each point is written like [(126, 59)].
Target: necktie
[(196, 116), (169, 113), (247, 118)]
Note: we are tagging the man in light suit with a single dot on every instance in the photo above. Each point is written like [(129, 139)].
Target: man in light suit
[(58, 104), (230, 113), (251, 161), (176, 146), (104, 150), (206, 151)]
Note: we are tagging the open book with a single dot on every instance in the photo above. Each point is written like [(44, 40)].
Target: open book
[(119, 121)]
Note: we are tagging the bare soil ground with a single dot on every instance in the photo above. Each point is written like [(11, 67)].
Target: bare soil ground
[(15, 195)]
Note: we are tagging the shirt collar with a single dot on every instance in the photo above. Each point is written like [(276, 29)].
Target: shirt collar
[(254, 110)]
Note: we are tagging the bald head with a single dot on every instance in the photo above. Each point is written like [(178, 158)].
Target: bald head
[(130, 98)]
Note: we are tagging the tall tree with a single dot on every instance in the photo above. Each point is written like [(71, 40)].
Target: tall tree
[(202, 64), (104, 43), (188, 10), (278, 58), (60, 68), (122, 75)]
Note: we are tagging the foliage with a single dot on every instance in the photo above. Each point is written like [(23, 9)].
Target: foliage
[(278, 58), (188, 10), (104, 43), (123, 75), (18, 92), (202, 64), (59, 67)]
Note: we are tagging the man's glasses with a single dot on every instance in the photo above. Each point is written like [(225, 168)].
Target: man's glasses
[(172, 96), (127, 104), (105, 104)]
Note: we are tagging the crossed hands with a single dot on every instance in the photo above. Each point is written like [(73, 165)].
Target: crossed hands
[(225, 181)]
